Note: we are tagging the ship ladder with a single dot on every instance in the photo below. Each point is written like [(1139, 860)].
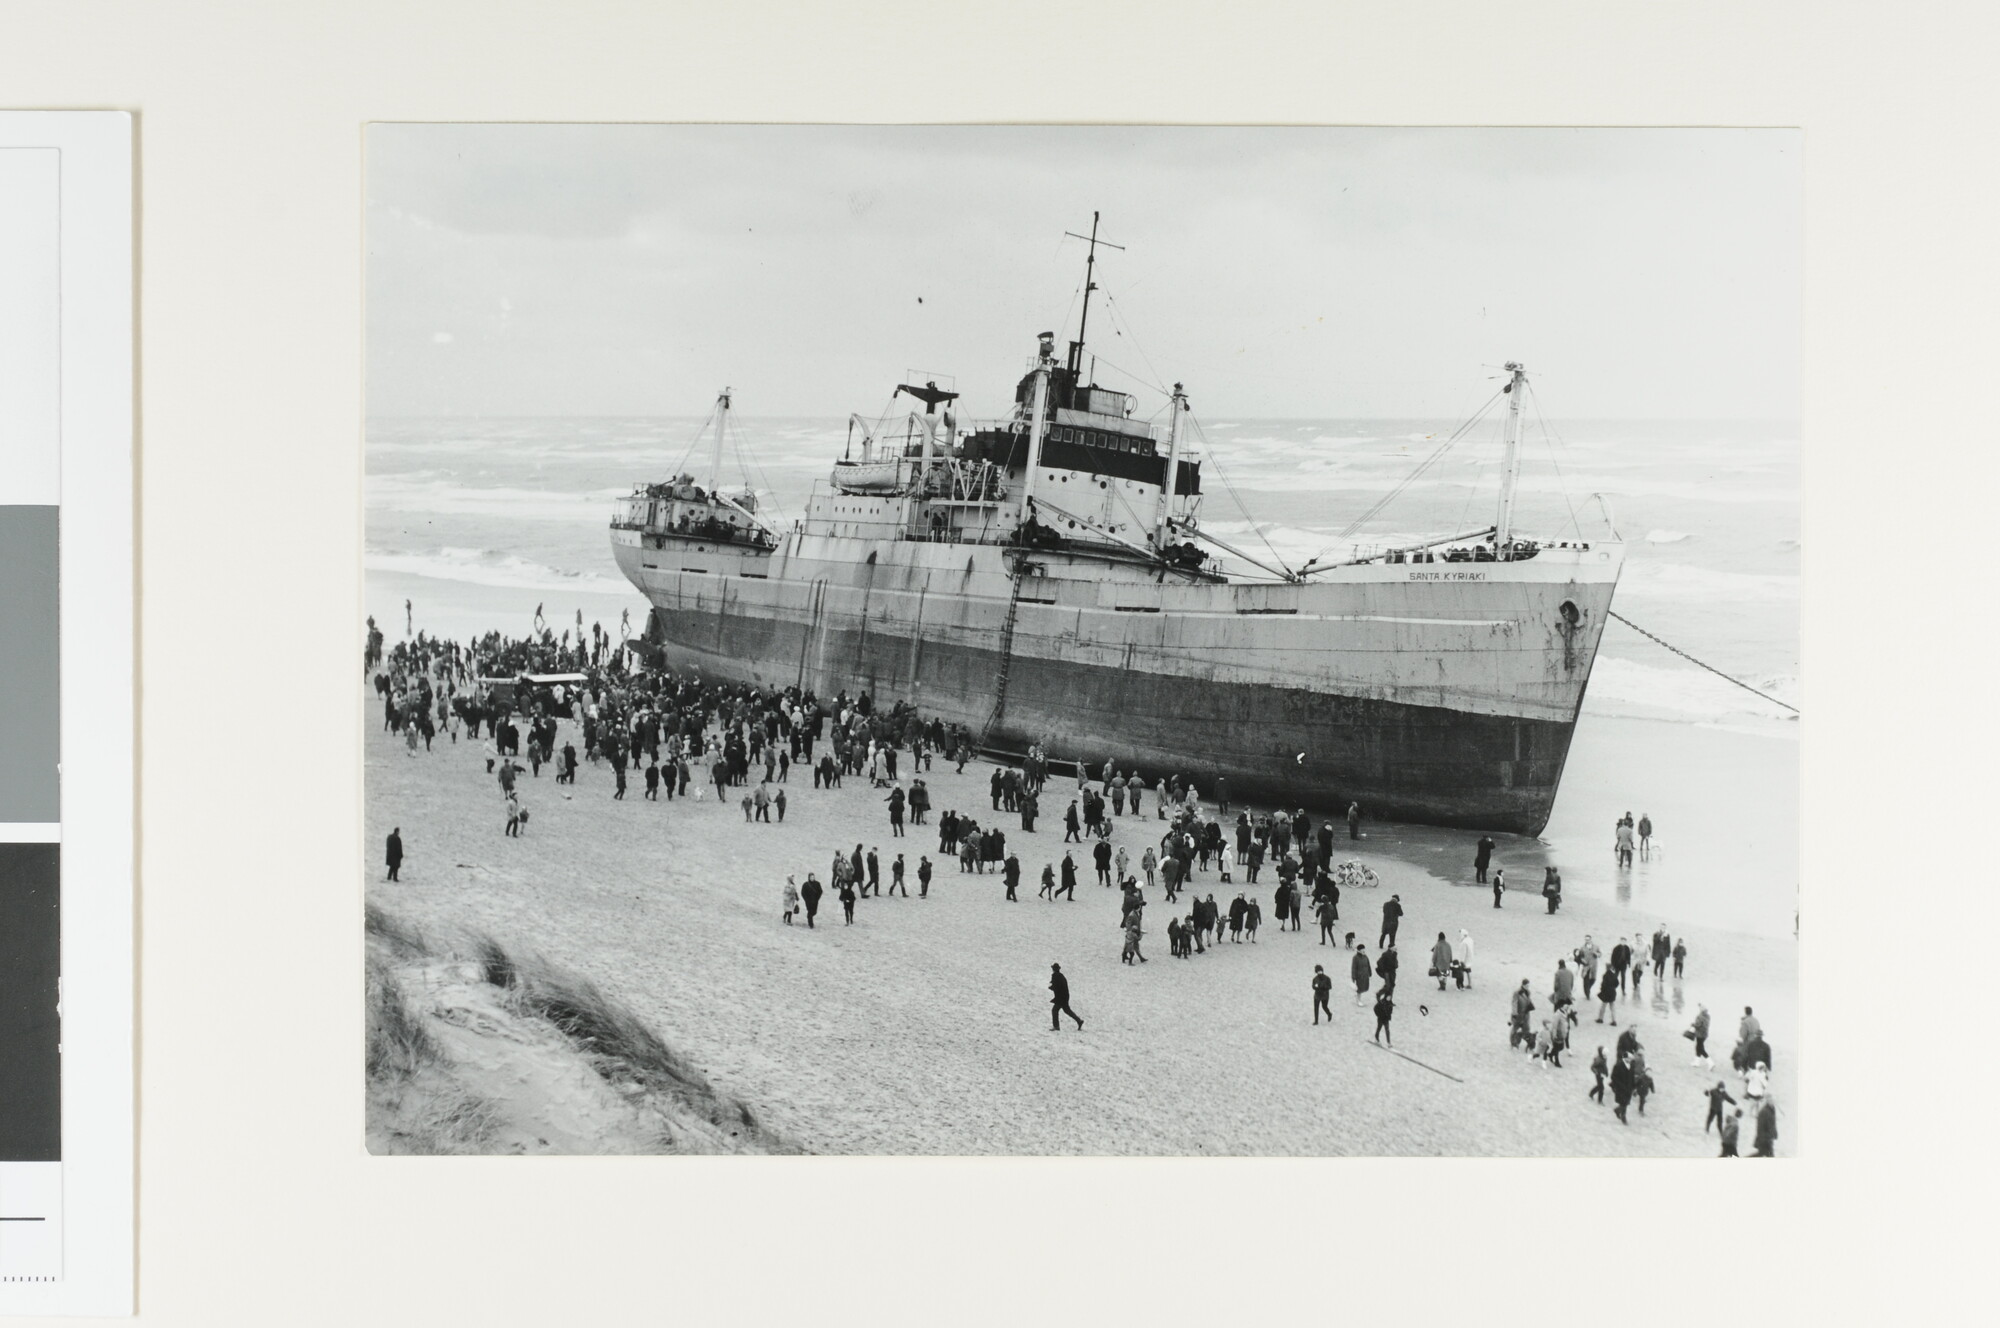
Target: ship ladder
[(1006, 654)]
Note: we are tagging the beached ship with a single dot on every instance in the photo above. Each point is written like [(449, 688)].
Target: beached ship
[(1044, 578)]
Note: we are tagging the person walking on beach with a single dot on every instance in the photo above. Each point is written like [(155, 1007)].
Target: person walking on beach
[(1386, 965), (1482, 858), (896, 803), (1663, 949), (1048, 890), (811, 893), (1441, 960), (1059, 1000), (1699, 1033), (395, 852), (1068, 886), (923, 877), (513, 816), (1322, 986), (1522, 1004), (1621, 1088), (1354, 820), (1587, 957), (1597, 1071), (1716, 1097), (791, 899), (1071, 825), (1729, 1133), (1360, 971), (1328, 917), (1462, 958), (1645, 834), (1499, 884), (1621, 962), (1102, 853), (1767, 1130), (847, 900), (1607, 996), (1680, 956), (1622, 844), (1010, 872), (1392, 916), (896, 877), (1385, 1006)]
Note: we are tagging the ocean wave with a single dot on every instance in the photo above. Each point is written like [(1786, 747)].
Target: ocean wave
[(401, 493), (1653, 580), (1624, 686), (490, 567), (1665, 536)]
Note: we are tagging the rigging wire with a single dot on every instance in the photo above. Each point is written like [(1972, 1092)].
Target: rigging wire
[(1423, 466), (1208, 458), (1699, 664), (681, 466), (1549, 437)]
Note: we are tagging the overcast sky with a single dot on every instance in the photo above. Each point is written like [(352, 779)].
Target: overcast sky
[(1300, 273)]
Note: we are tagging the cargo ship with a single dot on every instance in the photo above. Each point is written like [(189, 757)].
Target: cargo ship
[(1044, 579)]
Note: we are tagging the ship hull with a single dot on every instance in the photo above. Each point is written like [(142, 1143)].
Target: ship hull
[(1440, 693)]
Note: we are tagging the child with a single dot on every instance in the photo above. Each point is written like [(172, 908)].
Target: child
[(1729, 1129), (847, 900), (791, 899)]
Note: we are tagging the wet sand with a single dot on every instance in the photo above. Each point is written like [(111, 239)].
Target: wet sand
[(924, 1027)]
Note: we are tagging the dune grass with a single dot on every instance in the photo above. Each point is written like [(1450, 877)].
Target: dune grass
[(621, 1048)]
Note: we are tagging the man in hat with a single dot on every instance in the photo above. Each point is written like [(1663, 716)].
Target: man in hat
[(395, 852), (1059, 1000)]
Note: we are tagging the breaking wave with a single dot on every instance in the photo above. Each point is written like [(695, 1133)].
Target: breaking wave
[(490, 567)]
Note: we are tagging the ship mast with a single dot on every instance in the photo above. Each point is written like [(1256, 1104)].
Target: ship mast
[(1164, 529), (721, 420), (1511, 470), (1038, 419), (1089, 285)]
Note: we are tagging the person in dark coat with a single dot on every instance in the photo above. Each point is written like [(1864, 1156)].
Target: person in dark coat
[(1010, 871), (1354, 820), (1716, 1097), (1071, 825), (1482, 858), (1102, 853), (1622, 1083), (1322, 989), (1392, 916), (1384, 1007), (1360, 971), (1597, 1070), (395, 852), (1522, 1005), (847, 900), (1059, 1000), (810, 892), (1385, 968)]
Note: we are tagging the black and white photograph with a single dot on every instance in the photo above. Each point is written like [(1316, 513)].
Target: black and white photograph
[(843, 603)]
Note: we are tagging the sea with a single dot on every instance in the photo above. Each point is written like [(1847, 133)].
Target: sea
[(475, 524)]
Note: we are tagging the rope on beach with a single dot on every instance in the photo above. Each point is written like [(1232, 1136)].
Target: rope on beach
[(1698, 664)]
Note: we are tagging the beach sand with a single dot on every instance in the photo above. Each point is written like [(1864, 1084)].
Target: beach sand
[(924, 1028)]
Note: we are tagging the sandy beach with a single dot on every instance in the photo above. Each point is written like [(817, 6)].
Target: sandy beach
[(923, 1027)]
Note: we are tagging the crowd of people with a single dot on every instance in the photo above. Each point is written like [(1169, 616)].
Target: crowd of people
[(684, 732)]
